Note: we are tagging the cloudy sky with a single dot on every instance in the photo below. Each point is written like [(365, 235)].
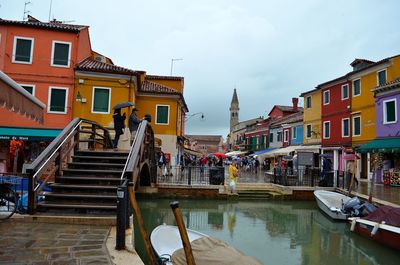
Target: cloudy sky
[(270, 51)]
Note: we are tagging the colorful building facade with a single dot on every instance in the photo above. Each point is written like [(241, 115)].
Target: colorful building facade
[(312, 117)]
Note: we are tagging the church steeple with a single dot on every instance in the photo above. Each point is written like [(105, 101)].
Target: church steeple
[(234, 109)]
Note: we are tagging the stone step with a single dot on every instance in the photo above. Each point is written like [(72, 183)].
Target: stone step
[(78, 165), (67, 205), (93, 171), (78, 195), (94, 188), (97, 158), (103, 153), (88, 178)]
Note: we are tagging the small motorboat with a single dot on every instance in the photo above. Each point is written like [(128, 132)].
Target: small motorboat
[(167, 244), (382, 225), (332, 203)]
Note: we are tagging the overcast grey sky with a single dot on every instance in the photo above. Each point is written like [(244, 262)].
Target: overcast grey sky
[(270, 50)]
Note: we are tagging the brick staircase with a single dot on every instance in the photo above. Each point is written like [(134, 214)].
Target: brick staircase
[(88, 185), (257, 191)]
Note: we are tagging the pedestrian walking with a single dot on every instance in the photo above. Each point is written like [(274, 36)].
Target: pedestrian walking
[(133, 124), (233, 176), (119, 126)]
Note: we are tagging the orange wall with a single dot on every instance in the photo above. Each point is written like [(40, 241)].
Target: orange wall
[(40, 73)]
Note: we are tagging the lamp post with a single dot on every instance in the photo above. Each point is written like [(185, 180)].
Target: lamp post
[(172, 63)]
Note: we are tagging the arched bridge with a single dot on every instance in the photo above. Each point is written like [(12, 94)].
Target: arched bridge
[(79, 171)]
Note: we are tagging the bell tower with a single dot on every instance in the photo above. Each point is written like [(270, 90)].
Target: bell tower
[(234, 109)]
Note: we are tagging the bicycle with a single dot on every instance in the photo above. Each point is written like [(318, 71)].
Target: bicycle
[(8, 201)]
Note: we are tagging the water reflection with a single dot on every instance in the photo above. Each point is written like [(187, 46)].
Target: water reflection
[(274, 232)]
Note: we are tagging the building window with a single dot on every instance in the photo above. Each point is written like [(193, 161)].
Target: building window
[(326, 97), (308, 131), (357, 126), (271, 137), (162, 114), (381, 77), (279, 136), (23, 49), (356, 87), (58, 97), (308, 102), (29, 88), (286, 136), (61, 54), (294, 132), (101, 100), (327, 129), (346, 127), (345, 92), (389, 111)]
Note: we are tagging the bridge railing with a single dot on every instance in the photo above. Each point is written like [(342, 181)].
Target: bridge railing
[(191, 175), (50, 163)]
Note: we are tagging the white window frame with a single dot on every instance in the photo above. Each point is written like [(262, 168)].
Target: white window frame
[(109, 100), (294, 135), (324, 132), (347, 88), (385, 111), (348, 119), (162, 105), (49, 100), (308, 137), (377, 76), (308, 107), (31, 85), (359, 79), (15, 48), (286, 136), (52, 53), (329, 97), (354, 127)]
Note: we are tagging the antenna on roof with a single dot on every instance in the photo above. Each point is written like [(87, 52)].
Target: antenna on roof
[(26, 12), (51, 3)]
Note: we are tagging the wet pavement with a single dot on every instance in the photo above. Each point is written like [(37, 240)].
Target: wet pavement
[(44, 243)]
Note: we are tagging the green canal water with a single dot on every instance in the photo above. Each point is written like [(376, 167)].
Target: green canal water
[(275, 232)]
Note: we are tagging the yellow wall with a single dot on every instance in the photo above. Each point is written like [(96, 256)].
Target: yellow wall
[(364, 104), (147, 105), (121, 90), (313, 116)]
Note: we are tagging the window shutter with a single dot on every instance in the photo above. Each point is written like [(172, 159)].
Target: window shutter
[(57, 101), (390, 111), (101, 99), (61, 53), (23, 50)]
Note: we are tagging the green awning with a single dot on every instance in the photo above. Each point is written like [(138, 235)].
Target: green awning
[(28, 134), (384, 145)]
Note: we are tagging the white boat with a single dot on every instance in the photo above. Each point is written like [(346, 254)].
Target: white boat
[(167, 244), (332, 203)]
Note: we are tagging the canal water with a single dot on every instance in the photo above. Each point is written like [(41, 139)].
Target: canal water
[(275, 232)]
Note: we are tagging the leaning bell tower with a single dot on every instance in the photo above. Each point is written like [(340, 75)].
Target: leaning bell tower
[(234, 109)]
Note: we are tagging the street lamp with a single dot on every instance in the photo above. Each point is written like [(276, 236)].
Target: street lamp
[(172, 63), (188, 117)]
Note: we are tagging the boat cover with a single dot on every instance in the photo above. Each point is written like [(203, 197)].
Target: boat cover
[(210, 251), (389, 214)]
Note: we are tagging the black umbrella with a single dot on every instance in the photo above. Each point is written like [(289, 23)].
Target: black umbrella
[(123, 105)]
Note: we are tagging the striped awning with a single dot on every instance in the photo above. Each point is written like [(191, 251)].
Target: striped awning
[(16, 99)]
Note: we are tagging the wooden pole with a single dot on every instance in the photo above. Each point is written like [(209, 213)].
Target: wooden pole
[(182, 231), (142, 229), (372, 182), (353, 175)]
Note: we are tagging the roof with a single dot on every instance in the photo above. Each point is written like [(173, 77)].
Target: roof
[(204, 138), (309, 91), (234, 97), (158, 77), (155, 88), (90, 64), (358, 61), (387, 86), (291, 118), (285, 109), (52, 25)]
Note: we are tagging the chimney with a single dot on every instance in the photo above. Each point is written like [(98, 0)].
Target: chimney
[(295, 102)]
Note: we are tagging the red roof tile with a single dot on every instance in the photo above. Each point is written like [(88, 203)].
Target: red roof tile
[(52, 25), (154, 77), (90, 64)]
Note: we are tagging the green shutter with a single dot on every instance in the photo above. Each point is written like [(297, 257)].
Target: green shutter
[(23, 50), (162, 114), (390, 111), (357, 126), (61, 54), (101, 100), (345, 127), (29, 89), (57, 101)]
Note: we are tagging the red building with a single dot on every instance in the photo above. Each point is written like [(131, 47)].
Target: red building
[(335, 119)]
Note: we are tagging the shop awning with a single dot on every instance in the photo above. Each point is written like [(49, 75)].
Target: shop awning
[(28, 134), (236, 153), (263, 151), (282, 151), (386, 145), (309, 148), (16, 99), (191, 152)]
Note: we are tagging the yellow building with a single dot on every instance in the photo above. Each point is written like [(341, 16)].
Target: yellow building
[(365, 76), (162, 98), (312, 117)]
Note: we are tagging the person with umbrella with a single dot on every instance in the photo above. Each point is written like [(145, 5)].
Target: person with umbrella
[(119, 125), (133, 124)]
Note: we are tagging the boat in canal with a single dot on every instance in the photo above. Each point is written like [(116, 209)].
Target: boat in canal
[(332, 203), (382, 225), (167, 244)]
